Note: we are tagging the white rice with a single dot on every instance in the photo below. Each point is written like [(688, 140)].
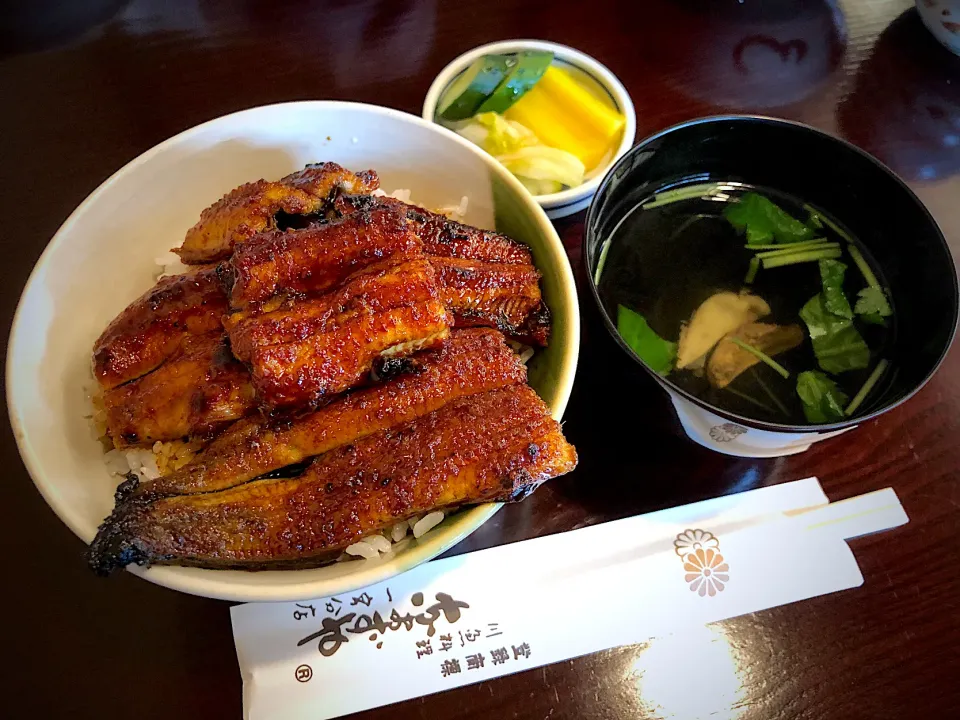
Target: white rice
[(147, 463), (363, 548), (135, 460), (454, 212), (427, 523), (170, 264), (379, 543), (373, 546), (524, 351)]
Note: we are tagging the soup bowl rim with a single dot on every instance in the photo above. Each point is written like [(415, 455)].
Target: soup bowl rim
[(592, 219)]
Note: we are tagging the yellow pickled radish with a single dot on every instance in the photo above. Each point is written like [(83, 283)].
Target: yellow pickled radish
[(565, 115), (542, 112), (593, 112)]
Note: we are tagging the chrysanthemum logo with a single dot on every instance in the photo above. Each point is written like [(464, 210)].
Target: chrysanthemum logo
[(707, 573)]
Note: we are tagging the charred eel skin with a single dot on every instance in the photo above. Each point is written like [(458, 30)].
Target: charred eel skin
[(440, 235), (471, 361), (498, 295), (317, 258), (255, 207), (496, 446), (152, 327), (199, 390), (486, 278)]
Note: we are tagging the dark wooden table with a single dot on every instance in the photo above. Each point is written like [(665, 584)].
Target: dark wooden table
[(86, 87)]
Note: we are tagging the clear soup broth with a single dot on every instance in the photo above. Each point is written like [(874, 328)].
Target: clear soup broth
[(673, 252)]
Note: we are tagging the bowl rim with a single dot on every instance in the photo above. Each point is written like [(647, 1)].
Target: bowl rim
[(205, 583), (592, 218), (600, 72)]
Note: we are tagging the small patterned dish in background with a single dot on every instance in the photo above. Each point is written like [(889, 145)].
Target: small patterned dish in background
[(592, 75)]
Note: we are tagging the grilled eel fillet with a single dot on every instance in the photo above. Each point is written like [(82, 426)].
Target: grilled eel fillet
[(471, 361), (307, 348), (198, 390), (314, 259), (497, 446), (152, 328), (253, 208), (442, 236), (486, 278), (498, 295)]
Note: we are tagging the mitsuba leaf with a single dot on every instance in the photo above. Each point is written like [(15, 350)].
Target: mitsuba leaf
[(836, 342), (822, 399), (831, 274), (872, 305), (765, 222), (659, 354)]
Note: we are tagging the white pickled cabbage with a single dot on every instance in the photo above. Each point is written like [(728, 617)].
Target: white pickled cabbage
[(541, 169), (545, 163), (503, 136), (540, 187)]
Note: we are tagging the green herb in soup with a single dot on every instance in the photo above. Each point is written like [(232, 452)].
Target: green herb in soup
[(762, 221), (861, 395), (831, 275), (774, 329), (659, 354), (872, 305), (822, 399), (761, 356), (803, 256), (836, 342)]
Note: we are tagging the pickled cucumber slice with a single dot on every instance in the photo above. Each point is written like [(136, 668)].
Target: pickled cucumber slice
[(474, 86), (528, 69)]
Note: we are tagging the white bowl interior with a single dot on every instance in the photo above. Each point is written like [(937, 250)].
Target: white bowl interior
[(103, 257)]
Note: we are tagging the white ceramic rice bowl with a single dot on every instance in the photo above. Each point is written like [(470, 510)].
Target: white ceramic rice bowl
[(102, 258)]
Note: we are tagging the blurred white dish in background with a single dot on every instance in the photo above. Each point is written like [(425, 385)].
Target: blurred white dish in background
[(942, 18)]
